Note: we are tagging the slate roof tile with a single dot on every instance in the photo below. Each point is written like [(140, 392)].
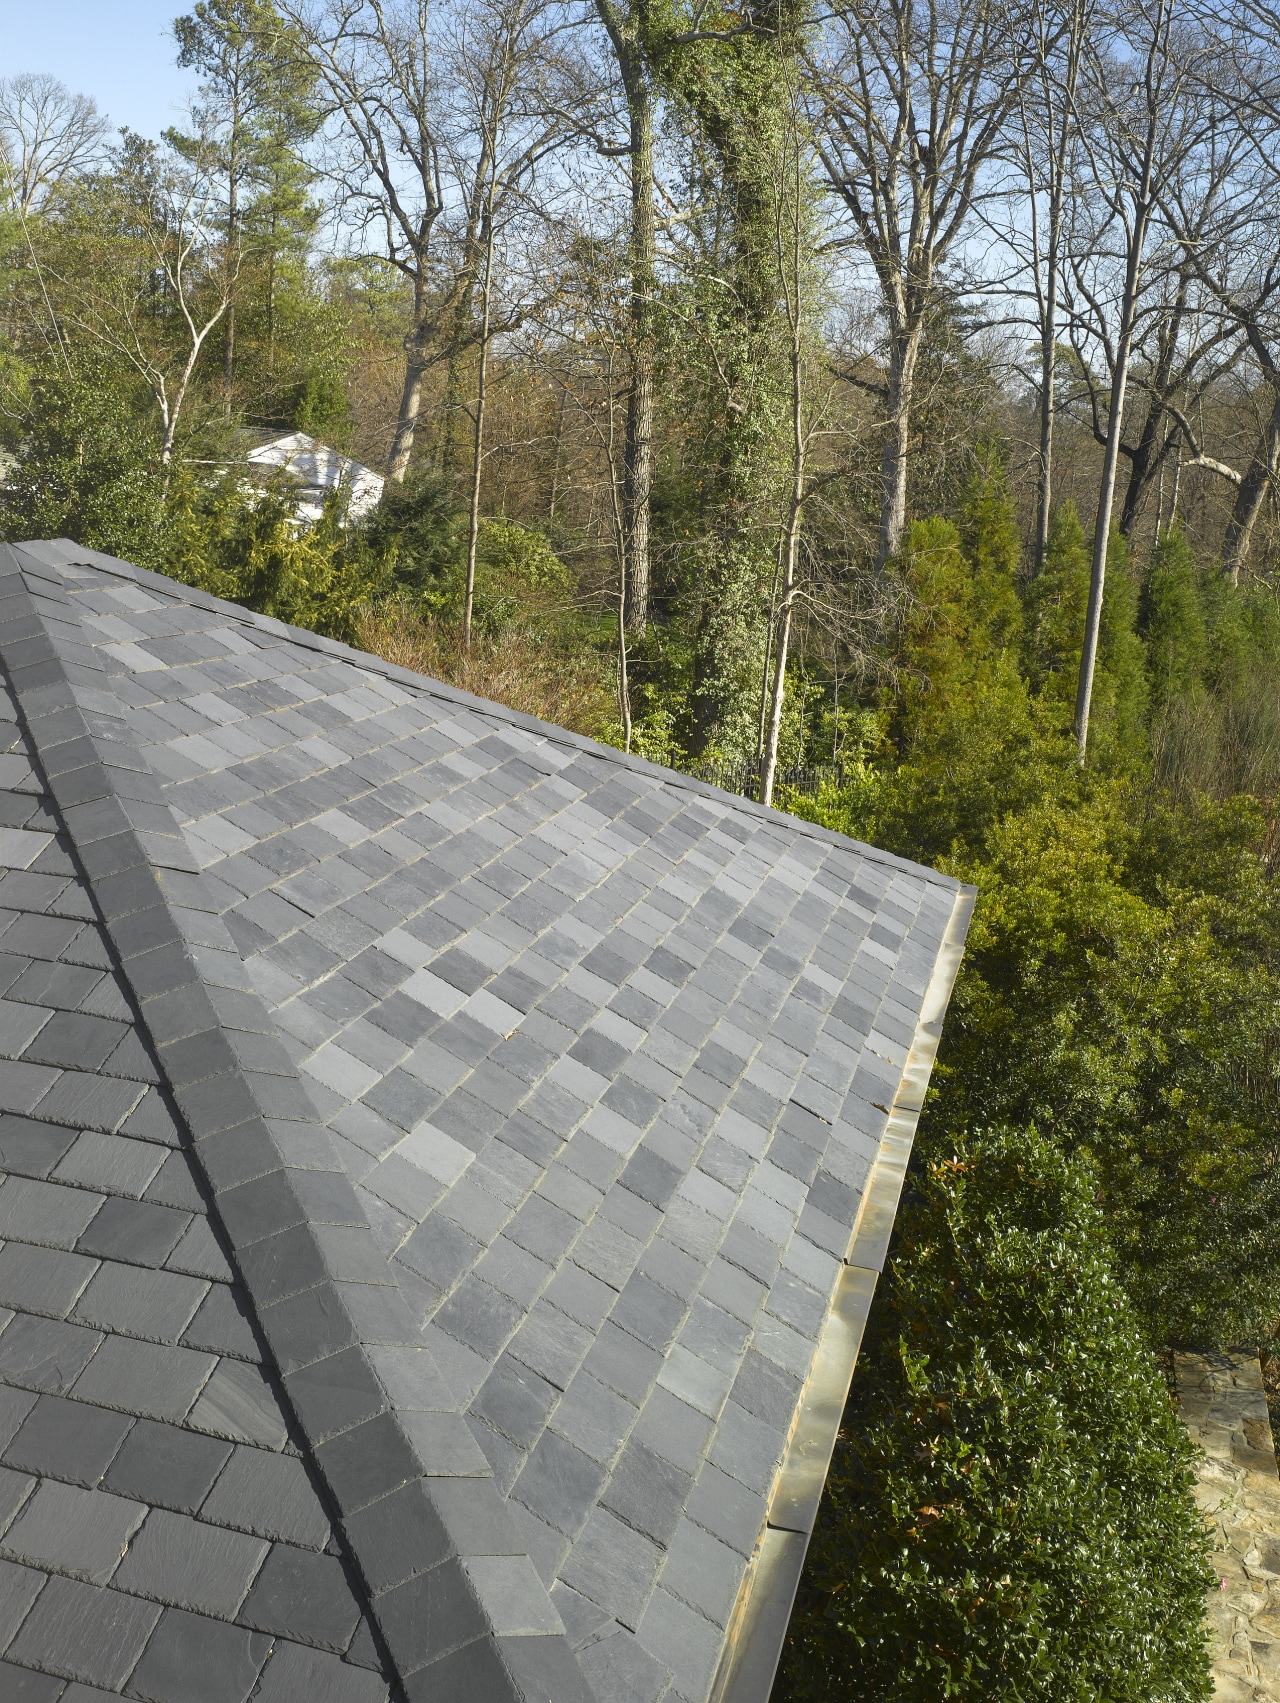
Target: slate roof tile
[(84, 1632), (70, 1440), (193, 1659), (294, 1671), (610, 991), (270, 1495), (71, 1530)]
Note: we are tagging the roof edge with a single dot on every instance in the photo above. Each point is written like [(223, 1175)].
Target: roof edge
[(758, 1627), (430, 1535), (63, 552)]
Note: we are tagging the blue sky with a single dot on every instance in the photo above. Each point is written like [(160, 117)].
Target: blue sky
[(118, 51)]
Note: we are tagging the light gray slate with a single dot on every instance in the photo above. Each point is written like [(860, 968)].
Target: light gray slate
[(609, 1055)]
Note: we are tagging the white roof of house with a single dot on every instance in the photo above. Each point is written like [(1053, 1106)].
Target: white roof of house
[(320, 469)]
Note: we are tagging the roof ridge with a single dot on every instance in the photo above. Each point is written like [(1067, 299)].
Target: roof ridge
[(63, 552), (451, 1589)]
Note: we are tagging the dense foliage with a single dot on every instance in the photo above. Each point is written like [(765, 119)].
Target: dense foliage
[(1007, 1515), (1120, 982)]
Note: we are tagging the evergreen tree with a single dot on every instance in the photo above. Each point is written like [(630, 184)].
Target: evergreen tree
[(935, 657), (1056, 603), (1173, 623), (989, 537)]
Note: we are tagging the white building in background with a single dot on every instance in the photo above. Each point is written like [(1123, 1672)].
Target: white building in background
[(319, 470)]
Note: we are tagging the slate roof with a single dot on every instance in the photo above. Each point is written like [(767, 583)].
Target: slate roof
[(446, 1167)]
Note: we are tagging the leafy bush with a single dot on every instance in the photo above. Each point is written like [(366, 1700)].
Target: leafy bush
[(87, 469), (249, 547), (1009, 1514), (1120, 985)]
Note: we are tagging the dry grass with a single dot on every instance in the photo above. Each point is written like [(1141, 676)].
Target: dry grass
[(521, 669)]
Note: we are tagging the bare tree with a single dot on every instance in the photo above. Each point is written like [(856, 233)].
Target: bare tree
[(1135, 137), (374, 60), (47, 134), (1236, 259), (1042, 141), (404, 171), (911, 99), (156, 283), (507, 72)]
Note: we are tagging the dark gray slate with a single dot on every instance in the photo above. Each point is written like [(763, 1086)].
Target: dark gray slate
[(432, 1147)]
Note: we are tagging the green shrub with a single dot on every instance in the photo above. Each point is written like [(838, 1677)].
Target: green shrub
[(1009, 1513), (87, 469), (250, 547), (418, 527)]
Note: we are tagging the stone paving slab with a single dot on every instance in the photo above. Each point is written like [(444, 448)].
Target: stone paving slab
[(1238, 1490)]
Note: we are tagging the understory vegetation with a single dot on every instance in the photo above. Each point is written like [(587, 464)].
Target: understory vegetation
[(725, 420)]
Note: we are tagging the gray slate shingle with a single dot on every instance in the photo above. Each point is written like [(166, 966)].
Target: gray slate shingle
[(86, 1487), (603, 1057)]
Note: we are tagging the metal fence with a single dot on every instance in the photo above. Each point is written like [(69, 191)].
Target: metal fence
[(744, 778)]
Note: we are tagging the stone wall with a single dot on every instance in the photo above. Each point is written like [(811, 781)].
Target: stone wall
[(1238, 1489)]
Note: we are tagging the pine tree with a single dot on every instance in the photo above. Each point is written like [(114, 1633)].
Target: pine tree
[(256, 106), (1121, 695), (989, 537), (1056, 602), (1173, 619)]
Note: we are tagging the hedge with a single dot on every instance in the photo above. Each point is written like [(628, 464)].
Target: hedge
[(1009, 1513)]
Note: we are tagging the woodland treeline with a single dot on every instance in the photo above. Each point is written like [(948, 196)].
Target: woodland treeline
[(713, 302), (879, 404)]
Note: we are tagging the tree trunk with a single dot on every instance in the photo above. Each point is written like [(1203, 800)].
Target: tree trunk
[(415, 367), (229, 359), (558, 443), (1048, 366), (791, 552), (1249, 498), (232, 268), (477, 464), (790, 543), (1110, 463), (769, 768), (903, 354), (638, 456), (1144, 463), (620, 551), (1142, 206), (1049, 327), (445, 452)]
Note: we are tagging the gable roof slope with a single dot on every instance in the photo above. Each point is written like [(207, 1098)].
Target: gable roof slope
[(538, 1116)]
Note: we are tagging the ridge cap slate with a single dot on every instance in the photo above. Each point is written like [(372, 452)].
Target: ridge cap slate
[(76, 555), (433, 1541)]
